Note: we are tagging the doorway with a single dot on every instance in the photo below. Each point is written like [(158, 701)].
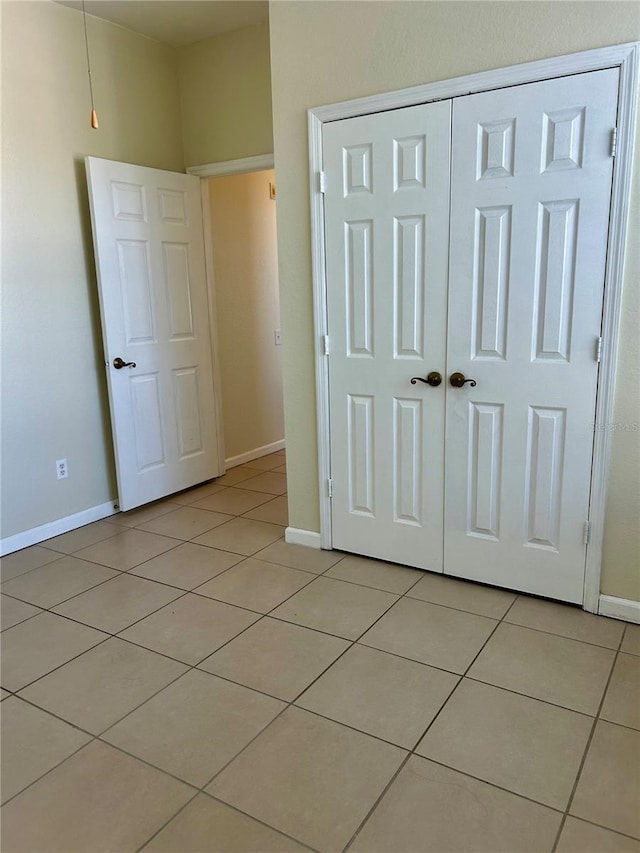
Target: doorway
[(242, 229)]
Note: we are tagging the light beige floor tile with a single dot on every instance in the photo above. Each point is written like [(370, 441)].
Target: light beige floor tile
[(545, 666), (196, 494), (101, 686), (275, 511), (97, 800), (207, 826), (376, 573), (195, 726), (380, 694), (275, 484), (622, 702), (276, 657), (336, 607), (282, 469), (565, 620), (4, 694), (57, 581), (187, 522), (299, 557), (608, 792), (82, 537), (463, 595), (118, 603), (35, 647), (23, 561), (434, 635), (190, 628), (242, 536), (235, 475), (127, 549), (631, 641), (431, 809), (310, 778), (256, 585), (518, 743), (266, 463), (580, 837), (13, 612), (144, 513), (32, 743), (187, 566), (233, 501)]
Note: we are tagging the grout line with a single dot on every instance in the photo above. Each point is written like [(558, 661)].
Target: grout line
[(420, 739), (55, 766), (601, 826), (167, 822), (260, 821), (587, 747)]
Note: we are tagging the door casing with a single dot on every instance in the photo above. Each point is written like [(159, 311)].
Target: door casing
[(626, 57)]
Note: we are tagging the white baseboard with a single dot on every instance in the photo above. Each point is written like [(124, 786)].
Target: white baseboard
[(55, 528), (619, 608), (296, 536), (254, 454)]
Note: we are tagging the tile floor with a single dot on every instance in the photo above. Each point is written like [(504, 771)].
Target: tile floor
[(180, 679)]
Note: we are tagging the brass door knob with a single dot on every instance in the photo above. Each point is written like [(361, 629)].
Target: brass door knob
[(458, 380), (434, 379)]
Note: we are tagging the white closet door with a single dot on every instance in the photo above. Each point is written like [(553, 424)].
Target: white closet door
[(531, 184), (147, 230), (387, 229)]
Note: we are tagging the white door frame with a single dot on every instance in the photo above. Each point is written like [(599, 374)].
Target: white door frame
[(626, 57), (215, 170)]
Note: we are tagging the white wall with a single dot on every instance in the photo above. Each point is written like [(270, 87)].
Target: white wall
[(243, 226), (53, 385), (325, 52)]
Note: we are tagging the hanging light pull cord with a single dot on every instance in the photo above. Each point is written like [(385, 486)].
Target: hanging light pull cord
[(94, 115)]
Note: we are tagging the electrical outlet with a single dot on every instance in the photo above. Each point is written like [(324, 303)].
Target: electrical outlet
[(277, 334), (61, 469)]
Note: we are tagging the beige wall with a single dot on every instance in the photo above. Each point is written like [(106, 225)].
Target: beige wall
[(225, 91), (243, 226), (324, 52), (53, 385)]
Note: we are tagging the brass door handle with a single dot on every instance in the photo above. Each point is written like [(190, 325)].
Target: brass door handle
[(119, 363), (434, 379), (458, 380)]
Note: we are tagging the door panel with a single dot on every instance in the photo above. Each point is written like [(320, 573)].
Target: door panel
[(149, 249), (387, 215), (531, 184)]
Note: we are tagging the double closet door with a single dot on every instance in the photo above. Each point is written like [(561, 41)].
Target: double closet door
[(466, 242)]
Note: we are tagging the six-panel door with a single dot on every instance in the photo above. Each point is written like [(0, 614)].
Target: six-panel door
[(147, 226), (530, 197), (387, 221)]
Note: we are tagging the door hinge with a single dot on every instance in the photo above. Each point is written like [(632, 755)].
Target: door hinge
[(325, 344), (322, 182), (587, 532), (598, 350), (330, 488), (614, 141)]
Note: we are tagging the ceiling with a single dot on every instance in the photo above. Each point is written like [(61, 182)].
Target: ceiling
[(177, 22)]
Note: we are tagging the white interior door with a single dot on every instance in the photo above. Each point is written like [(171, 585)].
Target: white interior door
[(523, 274), (530, 197), (387, 222), (148, 239)]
